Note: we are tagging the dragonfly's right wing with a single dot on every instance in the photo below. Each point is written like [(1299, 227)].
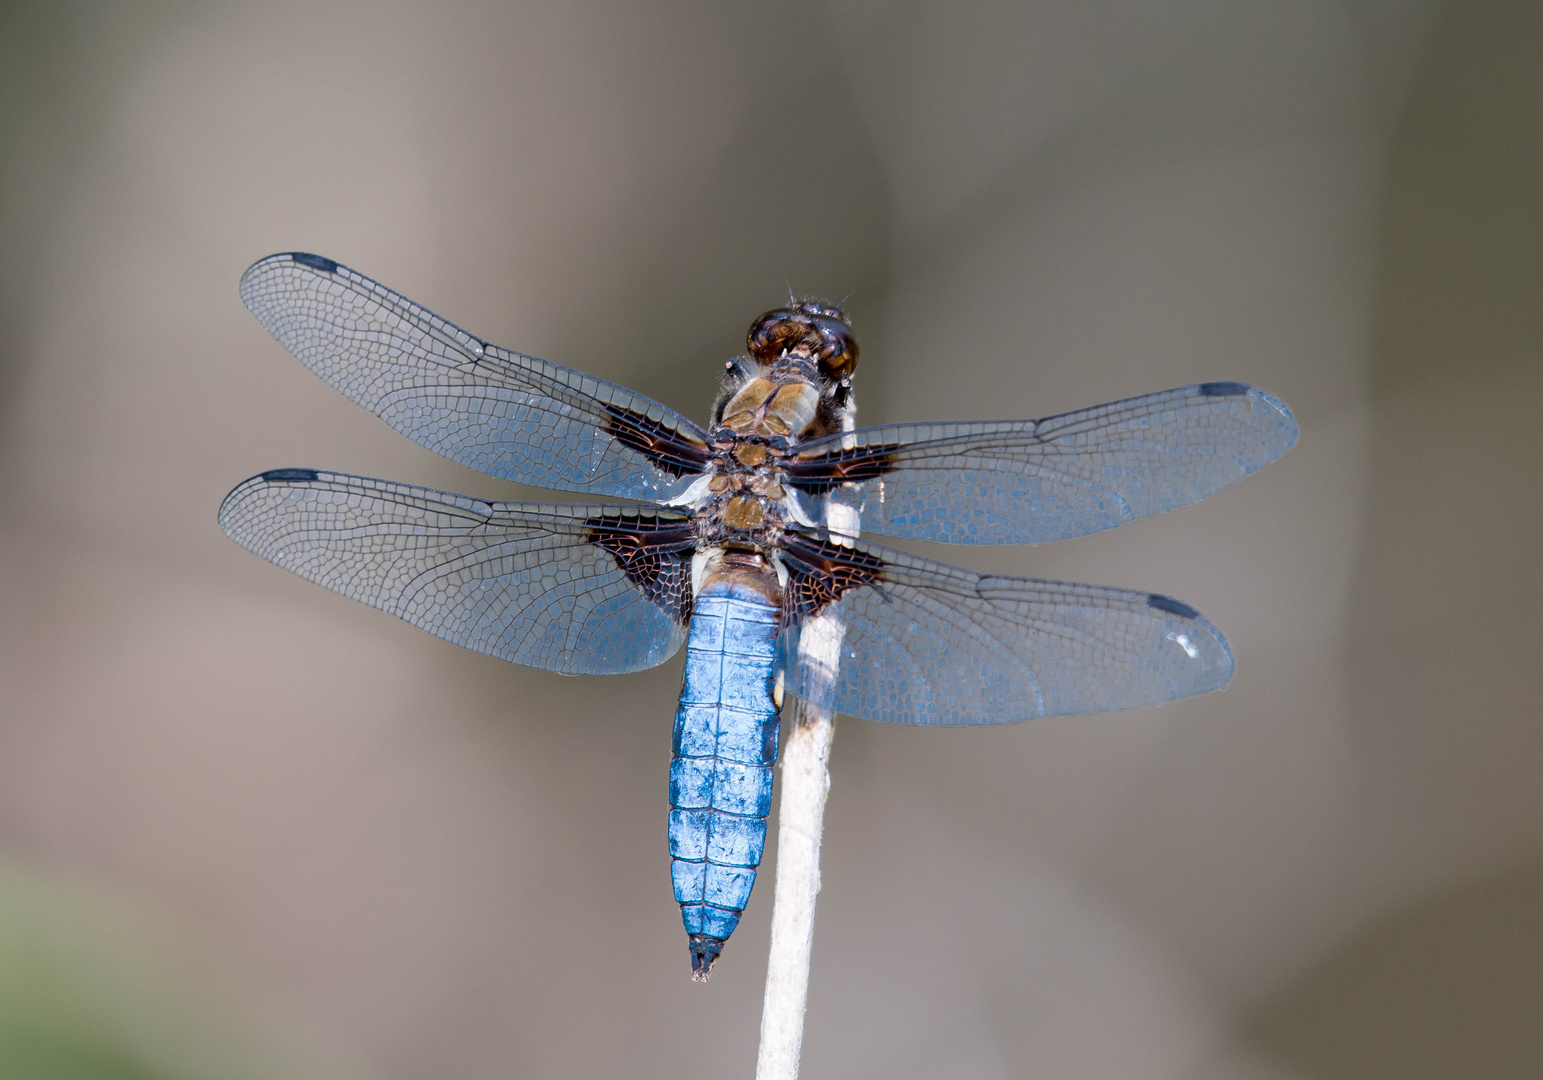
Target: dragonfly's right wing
[(1028, 481), (928, 643), (501, 412), (594, 590)]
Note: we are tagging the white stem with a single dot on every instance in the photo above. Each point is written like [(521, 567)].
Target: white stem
[(801, 817), (805, 783)]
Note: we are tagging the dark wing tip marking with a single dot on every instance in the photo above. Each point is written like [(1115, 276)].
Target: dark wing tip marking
[(1224, 389), (315, 262), (1172, 606), (281, 475)]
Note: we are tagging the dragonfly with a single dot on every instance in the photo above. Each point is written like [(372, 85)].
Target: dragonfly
[(744, 540)]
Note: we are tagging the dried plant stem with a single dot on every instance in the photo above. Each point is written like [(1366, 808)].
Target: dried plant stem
[(805, 783), (801, 816)]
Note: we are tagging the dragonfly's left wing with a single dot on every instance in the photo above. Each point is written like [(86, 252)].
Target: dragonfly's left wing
[(1027, 481), (594, 590), (928, 643), (501, 412)]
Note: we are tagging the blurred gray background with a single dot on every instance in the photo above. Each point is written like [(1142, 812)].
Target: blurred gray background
[(339, 838)]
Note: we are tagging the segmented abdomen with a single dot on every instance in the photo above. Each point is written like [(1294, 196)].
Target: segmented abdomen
[(721, 778)]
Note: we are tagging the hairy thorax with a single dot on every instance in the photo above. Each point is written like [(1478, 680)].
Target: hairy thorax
[(793, 387)]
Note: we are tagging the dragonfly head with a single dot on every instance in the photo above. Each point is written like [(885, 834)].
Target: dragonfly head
[(807, 330)]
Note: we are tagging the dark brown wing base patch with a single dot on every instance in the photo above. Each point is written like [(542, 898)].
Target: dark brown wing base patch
[(670, 450), (654, 553), (820, 573), (819, 474)]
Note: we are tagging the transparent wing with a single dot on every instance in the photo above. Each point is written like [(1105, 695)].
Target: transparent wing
[(928, 643), (501, 412), (1028, 481), (575, 589)]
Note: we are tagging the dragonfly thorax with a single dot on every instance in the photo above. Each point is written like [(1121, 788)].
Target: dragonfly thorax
[(745, 507), (772, 407)]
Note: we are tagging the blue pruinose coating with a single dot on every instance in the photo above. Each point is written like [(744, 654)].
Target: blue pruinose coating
[(725, 745)]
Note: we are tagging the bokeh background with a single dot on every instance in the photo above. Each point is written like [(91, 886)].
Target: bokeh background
[(251, 829)]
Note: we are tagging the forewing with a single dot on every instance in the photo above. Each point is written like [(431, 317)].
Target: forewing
[(928, 643), (501, 412), (1028, 481), (575, 589)]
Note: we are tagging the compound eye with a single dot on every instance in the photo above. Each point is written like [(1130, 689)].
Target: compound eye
[(778, 329), (838, 348)]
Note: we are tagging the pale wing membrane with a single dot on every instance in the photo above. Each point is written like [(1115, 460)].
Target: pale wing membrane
[(928, 643), (1029, 481), (525, 582), (501, 412)]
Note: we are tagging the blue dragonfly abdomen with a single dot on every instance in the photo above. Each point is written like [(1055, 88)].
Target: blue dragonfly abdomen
[(725, 745)]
